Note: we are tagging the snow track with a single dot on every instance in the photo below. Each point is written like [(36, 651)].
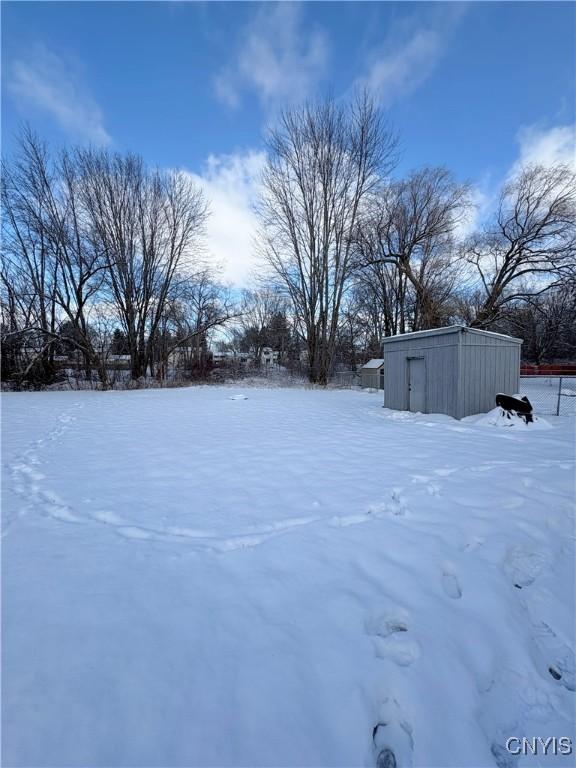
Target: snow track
[(293, 579)]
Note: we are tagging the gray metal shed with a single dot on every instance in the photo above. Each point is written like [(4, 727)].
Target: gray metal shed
[(372, 373), (455, 370)]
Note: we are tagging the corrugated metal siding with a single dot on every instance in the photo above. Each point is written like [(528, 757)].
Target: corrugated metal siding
[(372, 378), (395, 379), (442, 384), (464, 371), (440, 354), (486, 368)]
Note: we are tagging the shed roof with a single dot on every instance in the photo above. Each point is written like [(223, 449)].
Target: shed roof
[(448, 329), (376, 362)]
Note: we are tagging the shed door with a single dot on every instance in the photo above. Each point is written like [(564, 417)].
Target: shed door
[(416, 384)]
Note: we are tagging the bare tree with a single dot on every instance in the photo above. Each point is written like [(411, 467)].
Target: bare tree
[(410, 224), (91, 239), (27, 270), (52, 269), (149, 225), (259, 309), (196, 307), (546, 323), (530, 246), (80, 260), (324, 159), (382, 289), (370, 313)]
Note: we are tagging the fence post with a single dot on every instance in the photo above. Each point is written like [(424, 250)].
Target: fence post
[(559, 395)]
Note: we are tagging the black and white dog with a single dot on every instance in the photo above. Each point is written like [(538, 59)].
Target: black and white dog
[(522, 407)]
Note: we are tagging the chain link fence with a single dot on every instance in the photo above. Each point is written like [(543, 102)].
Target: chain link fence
[(345, 379), (550, 395), (370, 380)]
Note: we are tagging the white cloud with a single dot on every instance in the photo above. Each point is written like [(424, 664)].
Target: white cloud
[(483, 200), (231, 184), (539, 146), (409, 53), (46, 82), (402, 71), (279, 58), (226, 90)]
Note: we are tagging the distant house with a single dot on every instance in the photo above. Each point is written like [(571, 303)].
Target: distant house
[(232, 358), (245, 359), (372, 374), (268, 356)]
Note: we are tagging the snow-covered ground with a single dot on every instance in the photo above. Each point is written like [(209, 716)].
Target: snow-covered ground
[(289, 578)]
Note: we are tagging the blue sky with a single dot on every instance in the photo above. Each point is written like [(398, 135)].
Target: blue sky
[(478, 87)]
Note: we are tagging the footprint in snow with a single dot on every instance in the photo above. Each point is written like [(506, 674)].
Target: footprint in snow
[(27, 470), (512, 502), (502, 757), (561, 522), (62, 513), (391, 640), (133, 532), (392, 737), (54, 506), (108, 517), (451, 585), (395, 506), (553, 656), (523, 566), (445, 471), (513, 699)]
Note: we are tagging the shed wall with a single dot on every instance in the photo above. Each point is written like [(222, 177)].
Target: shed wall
[(487, 366), (464, 371), (372, 378), (440, 354)]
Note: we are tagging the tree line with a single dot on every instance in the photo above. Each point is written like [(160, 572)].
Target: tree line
[(95, 243), (102, 253), (362, 255)]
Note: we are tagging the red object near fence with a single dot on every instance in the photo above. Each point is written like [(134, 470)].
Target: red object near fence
[(548, 369)]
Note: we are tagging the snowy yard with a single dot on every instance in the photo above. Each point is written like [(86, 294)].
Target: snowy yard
[(195, 580)]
